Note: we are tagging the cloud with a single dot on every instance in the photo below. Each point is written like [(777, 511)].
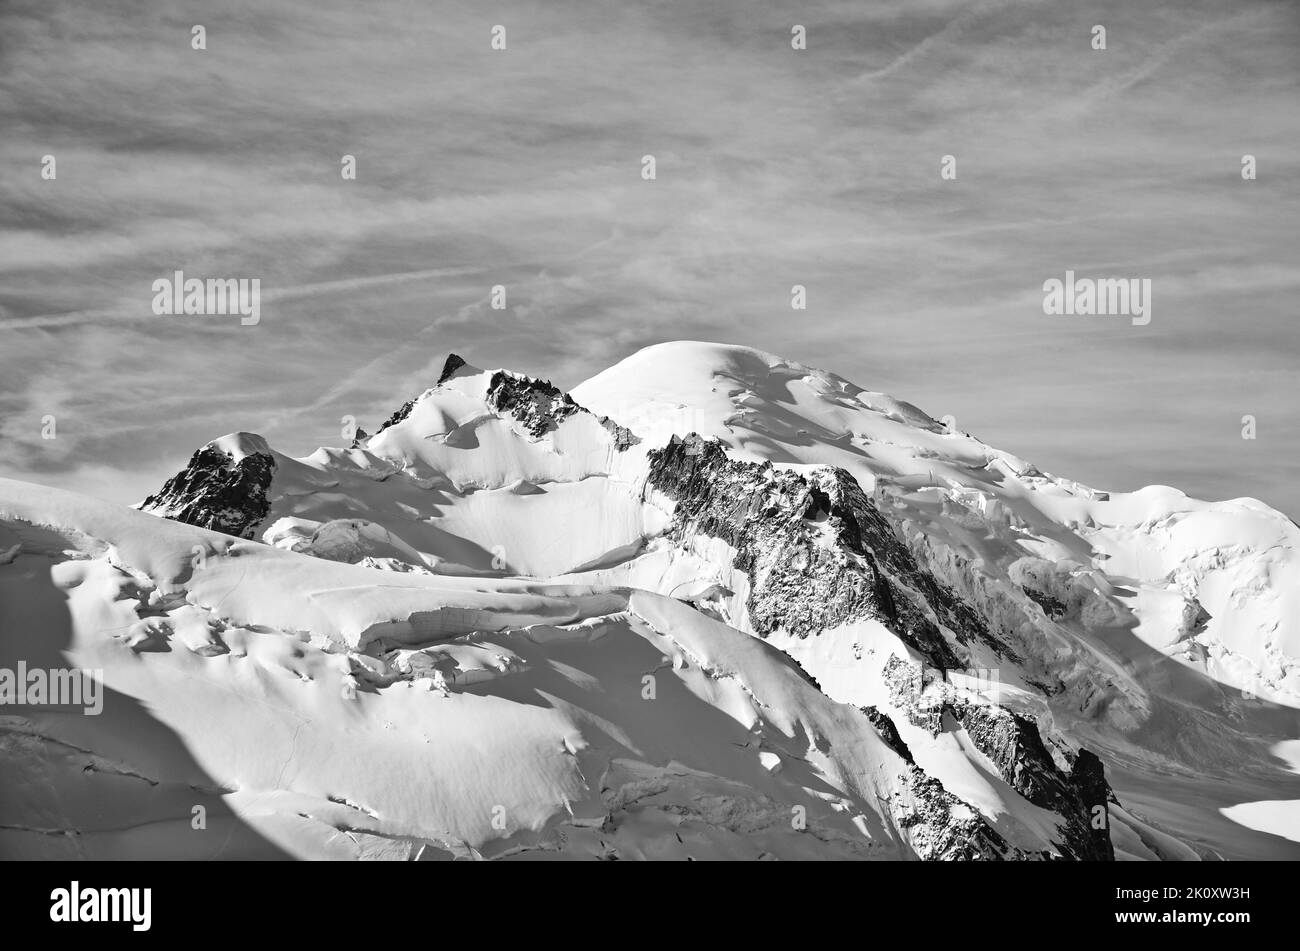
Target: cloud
[(775, 167)]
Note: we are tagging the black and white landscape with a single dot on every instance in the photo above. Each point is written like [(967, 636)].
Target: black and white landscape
[(711, 604), (971, 538)]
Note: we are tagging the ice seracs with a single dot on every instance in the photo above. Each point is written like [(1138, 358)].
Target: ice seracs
[(710, 603)]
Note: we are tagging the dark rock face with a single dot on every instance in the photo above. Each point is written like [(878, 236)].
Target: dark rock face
[(402, 412), (454, 363), (1052, 607), (1088, 778), (624, 438), (818, 553), (816, 550), (214, 491), (888, 732), (945, 829), (537, 404), (1012, 742), (541, 407)]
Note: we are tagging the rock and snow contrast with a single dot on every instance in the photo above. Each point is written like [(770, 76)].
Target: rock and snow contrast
[(710, 604)]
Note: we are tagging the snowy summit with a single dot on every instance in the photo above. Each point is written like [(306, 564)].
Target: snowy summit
[(709, 604)]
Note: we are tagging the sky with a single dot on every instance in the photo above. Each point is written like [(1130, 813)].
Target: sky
[(774, 167)]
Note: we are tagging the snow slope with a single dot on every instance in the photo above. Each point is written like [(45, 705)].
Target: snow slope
[(1164, 630), (435, 641), (470, 477), (322, 710), (1237, 560)]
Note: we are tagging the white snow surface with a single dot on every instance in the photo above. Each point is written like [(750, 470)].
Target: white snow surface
[(323, 710), (439, 644)]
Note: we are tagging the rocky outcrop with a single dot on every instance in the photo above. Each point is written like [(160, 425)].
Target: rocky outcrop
[(541, 406), (1013, 743), (453, 363), (403, 411), (624, 438), (538, 405), (945, 829), (1053, 607), (888, 732), (218, 490), (941, 826), (817, 552)]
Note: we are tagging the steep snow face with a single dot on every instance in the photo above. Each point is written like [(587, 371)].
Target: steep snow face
[(1158, 629), (482, 429), (1214, 585), (754, 401)]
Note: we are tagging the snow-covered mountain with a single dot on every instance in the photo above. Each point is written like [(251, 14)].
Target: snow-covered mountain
[(712, 603)]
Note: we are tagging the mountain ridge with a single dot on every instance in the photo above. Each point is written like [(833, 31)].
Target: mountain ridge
[(1015, 636)]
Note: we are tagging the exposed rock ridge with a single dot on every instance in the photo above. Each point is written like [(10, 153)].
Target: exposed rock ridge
[(541, 407), (217, 491), (816, 551), (945, 828), (1013, 743), (454, 362), (450, 366), (538, 404)]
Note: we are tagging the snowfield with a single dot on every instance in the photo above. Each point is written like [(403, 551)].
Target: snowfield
[(711, 604)]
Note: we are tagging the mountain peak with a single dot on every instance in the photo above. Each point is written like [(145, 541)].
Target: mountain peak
[(454, 367), (966, 642), (241, 444), (223, 487), (454, 364)]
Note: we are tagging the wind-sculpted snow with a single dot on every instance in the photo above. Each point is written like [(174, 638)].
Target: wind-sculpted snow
[(412, 496), (818, 555), (532, 720), (1145, 554), (713, 603), (1158, 629)]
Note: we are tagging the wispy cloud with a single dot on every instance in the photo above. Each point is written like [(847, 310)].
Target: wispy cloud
[(775, 167)]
